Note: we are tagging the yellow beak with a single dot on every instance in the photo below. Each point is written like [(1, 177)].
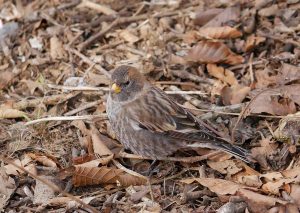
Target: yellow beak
[(116, 88)]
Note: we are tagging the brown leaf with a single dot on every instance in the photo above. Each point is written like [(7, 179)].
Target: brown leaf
[(234, 94), (228, 167), (7, 188), (203, 16), (229, 14), (252, 42), (57, 50), (219, 32), (84, 176), (288, 73), (278, 101), (262, 153), (222, 74), (295, 193), (257, 202), (5, 78), (98, 145), (11, 113), (218, 186), (44, 160), (212, 52)]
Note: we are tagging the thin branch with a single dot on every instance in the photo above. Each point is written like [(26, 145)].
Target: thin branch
[(66, 118)]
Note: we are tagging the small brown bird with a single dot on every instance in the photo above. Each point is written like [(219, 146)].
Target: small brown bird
[(149, 123)]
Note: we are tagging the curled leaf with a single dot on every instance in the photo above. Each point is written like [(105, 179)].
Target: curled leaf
[(83, 176), (222, 74), (212, 52), (219, 32)]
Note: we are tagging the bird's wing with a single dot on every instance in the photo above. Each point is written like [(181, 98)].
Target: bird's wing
[(154, 111)]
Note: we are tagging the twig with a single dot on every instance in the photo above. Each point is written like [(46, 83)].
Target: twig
[(251, 68), (88, 61), (183, 74), (98, 7), (84, 107), (66, 118), (79, 88), (50, 185), (48, 100)]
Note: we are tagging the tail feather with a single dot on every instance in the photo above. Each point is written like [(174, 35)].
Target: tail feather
[(234, 150)]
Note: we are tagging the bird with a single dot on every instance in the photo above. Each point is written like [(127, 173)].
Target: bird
[(151, 124)]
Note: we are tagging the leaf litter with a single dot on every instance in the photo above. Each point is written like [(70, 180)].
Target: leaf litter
[(56, 56)]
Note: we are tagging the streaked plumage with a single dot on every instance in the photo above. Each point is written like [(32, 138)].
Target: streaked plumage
[(151, 124)]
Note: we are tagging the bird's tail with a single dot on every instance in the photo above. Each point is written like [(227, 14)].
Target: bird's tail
[(234, 150)]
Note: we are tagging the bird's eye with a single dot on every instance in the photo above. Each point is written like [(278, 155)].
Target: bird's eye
[(126, 83)]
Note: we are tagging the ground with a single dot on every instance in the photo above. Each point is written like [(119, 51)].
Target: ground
[(234, 64)]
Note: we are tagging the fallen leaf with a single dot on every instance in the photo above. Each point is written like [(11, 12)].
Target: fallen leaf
[(42, 192), (257, 202), (83, 176), (44, 160), (5, 78), (99, 147), (234, 94), (219, 32), (222, 74), (295, 193), (224, 17), (278, 101), (262, 153), (128, 36), (288, 129), (11, 113), (269, 11), (218, 186), (203, 16), (212, 52), (57, 50), (228, 167), (7, 188), (253, 41)]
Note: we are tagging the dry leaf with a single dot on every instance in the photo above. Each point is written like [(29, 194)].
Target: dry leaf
[(99, 148), (219, 32), (218, 186), (128, 36), (269, 11), (11, 113), (83, 176), (262, 153), (252, 42), (227, 15), (44, 160), (278, 101), (222, 74), (57, 50), (203, 16), (42, 192), (295, 193), (5, 78), (7, 188), (234, 94), (228, 167), (212, 52), (257, 202)]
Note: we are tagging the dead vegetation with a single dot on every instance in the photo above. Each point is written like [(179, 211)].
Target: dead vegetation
[(234, 63)]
